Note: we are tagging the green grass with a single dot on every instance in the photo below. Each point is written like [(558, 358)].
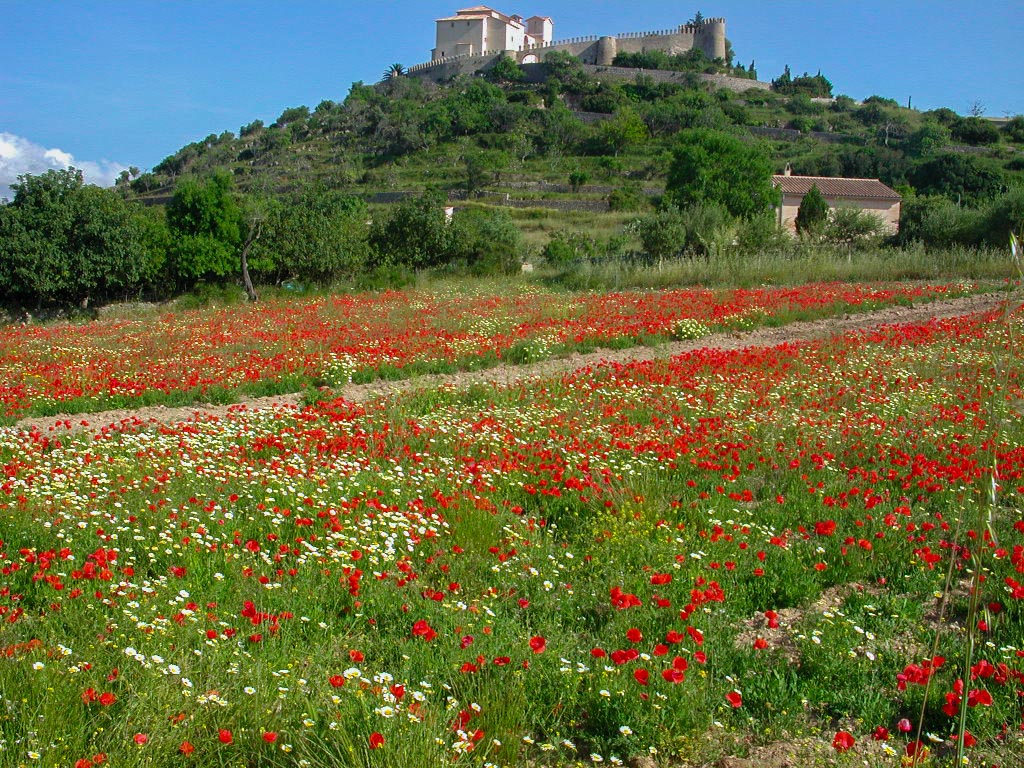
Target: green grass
[(822, 265)]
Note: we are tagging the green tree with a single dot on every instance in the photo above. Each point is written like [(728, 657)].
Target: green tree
[(975, 131), (928, 139), (206, 223), (506, 70), (716, 167), (395, 70), (471, 105), (962, 178), (812, 215), (1014, 129), (700, 230), (577, 179), (63, 241), (414, 234), (853, 228), (624, 130), (478, 172), (487, 242), (292, 115), (315, 235)]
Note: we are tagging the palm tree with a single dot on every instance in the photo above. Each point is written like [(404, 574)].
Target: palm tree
[(395, 70)]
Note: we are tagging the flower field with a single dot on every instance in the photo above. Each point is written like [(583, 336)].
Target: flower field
[(282, 346), (819, 544)]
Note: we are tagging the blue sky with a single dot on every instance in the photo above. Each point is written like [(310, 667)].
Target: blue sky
[(110, 83)]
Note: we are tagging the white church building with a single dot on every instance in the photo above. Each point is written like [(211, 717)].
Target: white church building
[(480, 29)]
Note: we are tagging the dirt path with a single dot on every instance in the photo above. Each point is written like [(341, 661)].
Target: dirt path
[(511, 374)]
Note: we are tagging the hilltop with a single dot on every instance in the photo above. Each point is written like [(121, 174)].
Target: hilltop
[(501, 134)]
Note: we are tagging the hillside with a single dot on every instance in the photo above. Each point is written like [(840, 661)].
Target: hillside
[(579, 134)]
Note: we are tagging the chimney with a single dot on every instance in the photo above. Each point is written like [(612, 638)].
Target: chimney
[(788, 171)]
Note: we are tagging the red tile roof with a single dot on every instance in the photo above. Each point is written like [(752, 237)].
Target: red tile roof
[(833, 187)]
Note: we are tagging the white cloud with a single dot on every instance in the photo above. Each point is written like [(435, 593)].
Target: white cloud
[(18, 156)]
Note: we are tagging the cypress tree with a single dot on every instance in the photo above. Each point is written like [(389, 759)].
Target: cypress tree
[(813, 212)]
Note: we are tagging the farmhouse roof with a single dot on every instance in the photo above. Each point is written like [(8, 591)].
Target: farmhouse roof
[(834, 187)]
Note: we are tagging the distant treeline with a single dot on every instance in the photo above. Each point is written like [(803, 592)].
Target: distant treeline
[(64, 242)]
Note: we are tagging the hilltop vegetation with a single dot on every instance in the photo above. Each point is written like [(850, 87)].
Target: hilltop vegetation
[(573, 169), (410, 134)]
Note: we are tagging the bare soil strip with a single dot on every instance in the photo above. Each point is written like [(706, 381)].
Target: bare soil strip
[(503, 375)]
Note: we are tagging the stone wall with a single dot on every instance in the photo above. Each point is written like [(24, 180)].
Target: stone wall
[(708, 37), (446, 69), (737, 84)]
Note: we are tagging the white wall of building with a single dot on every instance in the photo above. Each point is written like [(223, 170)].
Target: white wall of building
[(455, 38), (476, 33)]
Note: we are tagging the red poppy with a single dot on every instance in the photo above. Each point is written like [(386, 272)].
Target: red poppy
[(186, 748), (270, 737), (642, 676), (538, 644), (843, 741), (336, 681), (140, 738), (735, 699), (979, 697), (356, 656), (376, 740), (224, 736), (825, 527), (634, 635), (674, 676)]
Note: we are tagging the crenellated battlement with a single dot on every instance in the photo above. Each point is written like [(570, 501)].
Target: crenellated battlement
[(704, 26), (708, 36)]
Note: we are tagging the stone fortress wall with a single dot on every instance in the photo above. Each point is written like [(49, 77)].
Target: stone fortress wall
[(708, 37)]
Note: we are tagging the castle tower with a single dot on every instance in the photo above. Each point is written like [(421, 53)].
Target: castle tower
[(710, 38), (607, 49)]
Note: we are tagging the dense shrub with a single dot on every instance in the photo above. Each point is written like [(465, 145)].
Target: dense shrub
[(853, 227), (963, 178), (698, 230), (205, 221), (487, 242), (62, 241), (713, 167), (975, 131), (313, 235), (629, 197), (413, 234)]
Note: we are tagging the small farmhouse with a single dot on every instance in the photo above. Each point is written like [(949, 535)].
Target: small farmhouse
[(867, 194), (477, 30)]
